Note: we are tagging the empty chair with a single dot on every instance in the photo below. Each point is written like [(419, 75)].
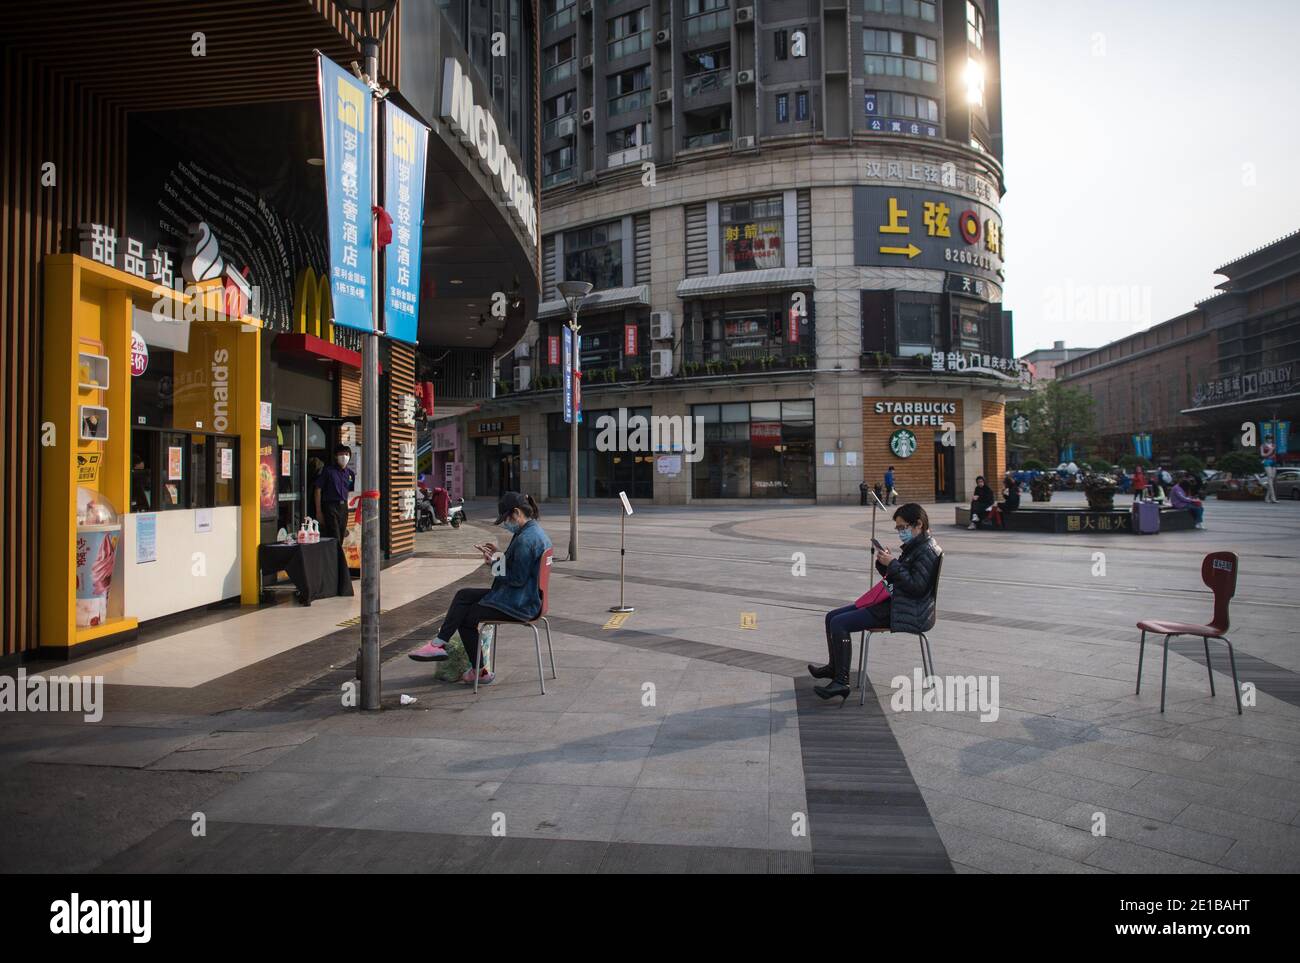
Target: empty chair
[(1219, 573)]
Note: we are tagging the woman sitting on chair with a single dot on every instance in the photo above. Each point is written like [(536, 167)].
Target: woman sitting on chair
[(513, 596), (902, 602)]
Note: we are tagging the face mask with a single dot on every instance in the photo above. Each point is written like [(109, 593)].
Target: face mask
[(905, 536), (342, 460), (511, 527)]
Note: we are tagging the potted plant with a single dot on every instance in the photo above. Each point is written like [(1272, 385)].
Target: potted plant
[(637, 372), (1040, 489), (1099, 489), (611, 374)]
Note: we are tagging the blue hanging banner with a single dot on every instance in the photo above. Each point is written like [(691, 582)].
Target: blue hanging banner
[(406, 143), (347, 126)]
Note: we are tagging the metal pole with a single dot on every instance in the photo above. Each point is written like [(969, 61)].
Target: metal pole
[(370, 483), (622, 553), (573, 440)]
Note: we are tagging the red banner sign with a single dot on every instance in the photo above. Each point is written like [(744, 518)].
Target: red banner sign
[(553, 349), (792, 334), (629, 340)]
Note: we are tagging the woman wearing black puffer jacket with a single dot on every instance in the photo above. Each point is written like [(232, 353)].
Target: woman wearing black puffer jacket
[(909, 579)]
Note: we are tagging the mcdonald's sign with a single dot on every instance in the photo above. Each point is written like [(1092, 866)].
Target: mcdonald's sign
[(313, 309)]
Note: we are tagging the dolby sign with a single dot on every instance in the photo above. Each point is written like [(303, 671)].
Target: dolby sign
[(477, 128)]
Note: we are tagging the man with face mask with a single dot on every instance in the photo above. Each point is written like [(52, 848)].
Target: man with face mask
[(332, 487)]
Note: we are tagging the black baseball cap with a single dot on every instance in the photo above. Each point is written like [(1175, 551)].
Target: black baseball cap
[(507, 503)]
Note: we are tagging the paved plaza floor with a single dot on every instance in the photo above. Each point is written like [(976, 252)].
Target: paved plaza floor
[(687, 738)]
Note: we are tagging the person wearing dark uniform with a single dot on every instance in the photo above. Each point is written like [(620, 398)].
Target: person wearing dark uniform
[(332, 487)]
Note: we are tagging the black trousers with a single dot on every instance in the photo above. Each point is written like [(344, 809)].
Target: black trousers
[(464, 617), (335, 522), (841, 623)]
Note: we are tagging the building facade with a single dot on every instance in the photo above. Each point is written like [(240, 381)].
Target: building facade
[(1193, 381), (790, 216), (173, 378), (1043, 361)]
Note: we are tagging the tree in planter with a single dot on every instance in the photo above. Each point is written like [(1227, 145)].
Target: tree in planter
[(1058, 417), (1190, 464), (1129, 462), (1240, 463)]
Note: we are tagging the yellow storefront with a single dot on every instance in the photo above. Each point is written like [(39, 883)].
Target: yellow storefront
[(149, 478)]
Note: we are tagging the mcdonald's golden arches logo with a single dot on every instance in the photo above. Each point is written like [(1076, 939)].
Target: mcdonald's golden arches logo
[(313, 308)]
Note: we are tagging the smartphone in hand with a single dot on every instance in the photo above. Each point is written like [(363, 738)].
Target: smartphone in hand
[(877, 546)]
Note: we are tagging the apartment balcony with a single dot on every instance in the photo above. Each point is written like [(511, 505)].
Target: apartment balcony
[(709, 82)]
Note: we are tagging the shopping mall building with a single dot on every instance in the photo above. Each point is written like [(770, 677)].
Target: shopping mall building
[(169, 349), (790, 214), (1193, 381)]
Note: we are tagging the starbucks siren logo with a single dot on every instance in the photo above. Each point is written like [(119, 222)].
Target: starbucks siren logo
[(902, 443)]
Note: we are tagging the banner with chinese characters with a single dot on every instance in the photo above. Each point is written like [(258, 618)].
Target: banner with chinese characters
[(975, 363), (406, 146), (629, 340), (347, 127), (926, 228)]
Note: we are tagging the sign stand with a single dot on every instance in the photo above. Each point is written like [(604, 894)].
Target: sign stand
[(874, 502), (622, 553)]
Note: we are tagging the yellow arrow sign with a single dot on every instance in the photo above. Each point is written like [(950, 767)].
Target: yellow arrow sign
[(911, 250)]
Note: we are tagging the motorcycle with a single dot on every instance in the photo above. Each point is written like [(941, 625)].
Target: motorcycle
[(432, 507)]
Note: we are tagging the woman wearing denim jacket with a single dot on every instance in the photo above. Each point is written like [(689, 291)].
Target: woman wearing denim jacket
[(514, 595)]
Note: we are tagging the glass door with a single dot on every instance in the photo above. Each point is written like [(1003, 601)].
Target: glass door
[(289, 434), (945, 473)]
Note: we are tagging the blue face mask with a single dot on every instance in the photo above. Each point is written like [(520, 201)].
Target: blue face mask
[(511, 527), (905, 535)]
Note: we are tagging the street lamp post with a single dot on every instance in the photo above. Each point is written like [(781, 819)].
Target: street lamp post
[(574, 293), (371, 687)]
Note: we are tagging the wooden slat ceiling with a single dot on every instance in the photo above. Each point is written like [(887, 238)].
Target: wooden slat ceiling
[(137, 54)]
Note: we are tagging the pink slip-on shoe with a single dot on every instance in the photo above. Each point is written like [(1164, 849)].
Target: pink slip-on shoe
[(430, 652), (485, 677)]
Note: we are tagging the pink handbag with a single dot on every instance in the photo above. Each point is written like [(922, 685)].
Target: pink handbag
[(878, 593)]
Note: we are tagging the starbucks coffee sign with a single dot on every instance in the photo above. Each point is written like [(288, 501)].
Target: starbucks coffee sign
[(902, 443)]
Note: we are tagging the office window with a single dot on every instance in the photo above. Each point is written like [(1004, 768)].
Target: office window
[(893, 104), (752, 233), (595, 254), (917, 321), (782, 40), (894, 53), (628, 90), (801, 105), (557, 61), (918, 9), (974, 26), (628, 33), (782, 108), (557, 14), (557, 166)]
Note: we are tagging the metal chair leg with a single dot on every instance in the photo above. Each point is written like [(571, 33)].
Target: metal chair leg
[(862, 646), (549, 651), (1208, 669), (1142, 647), (537, 642), (862, 684), (1164, 674), (1236, 686), (926, 674), (929, 652), (478, 659)]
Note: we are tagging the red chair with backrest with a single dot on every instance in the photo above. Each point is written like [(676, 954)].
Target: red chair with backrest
[(1219, 573), (543, 588)]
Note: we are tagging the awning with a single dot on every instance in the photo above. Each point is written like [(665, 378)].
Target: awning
[(748, 282), (318, 349), (605, 300)]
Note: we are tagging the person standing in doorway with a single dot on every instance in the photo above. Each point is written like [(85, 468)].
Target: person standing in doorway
[(891, 493), (332, 487)]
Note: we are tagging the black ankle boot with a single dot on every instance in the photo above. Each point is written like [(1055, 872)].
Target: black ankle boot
[(841, 658), (821, 671)]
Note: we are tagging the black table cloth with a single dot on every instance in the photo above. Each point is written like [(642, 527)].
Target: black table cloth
[(318, 570)]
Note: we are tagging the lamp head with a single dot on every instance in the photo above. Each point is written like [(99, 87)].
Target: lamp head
[(574, 293)]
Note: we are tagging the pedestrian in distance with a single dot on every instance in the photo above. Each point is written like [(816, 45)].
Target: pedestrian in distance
[(980, 503), (513, 596), (891, 493), (1010, 501), (1182, 497), (332, 485), (1139, 483), (903, 601)]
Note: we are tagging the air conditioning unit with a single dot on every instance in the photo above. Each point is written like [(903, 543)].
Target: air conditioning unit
[(588, 116), (587, 61), (521, 351), (662, 37), (565, 127), (744, 15), (745, 143), (664, 96), (744, 78), (523, 377), (661, 325), (661, 363)]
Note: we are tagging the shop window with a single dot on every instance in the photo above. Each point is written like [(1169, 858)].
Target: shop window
[(752, 233), (756, 450), (595, 254), (182, 469), (601, 474)]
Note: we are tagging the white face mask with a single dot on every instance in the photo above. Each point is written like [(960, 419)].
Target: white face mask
[(342, 460)]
